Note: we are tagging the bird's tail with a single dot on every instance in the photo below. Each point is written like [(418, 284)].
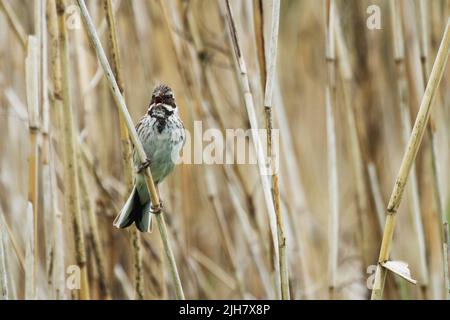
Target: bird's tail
[(135, 211)]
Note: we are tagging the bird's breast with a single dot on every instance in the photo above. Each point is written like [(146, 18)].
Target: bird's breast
[(162, 144)]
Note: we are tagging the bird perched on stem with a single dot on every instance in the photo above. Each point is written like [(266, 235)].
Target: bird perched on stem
[(162, 135)]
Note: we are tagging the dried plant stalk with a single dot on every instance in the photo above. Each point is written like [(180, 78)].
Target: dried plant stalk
[(32, 83), (356, 153), (268, 101), (30, 269), (436, 174), (71, 192), (408, 159), (214, 120), (258, 23), (126, 147), (97, 247), (57, 271), (379, 208), (120, 102), (399, 57), (47, 190), (248, 99), (333, 191)]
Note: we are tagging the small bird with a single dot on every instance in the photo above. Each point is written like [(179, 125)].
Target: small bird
[(162, 135)]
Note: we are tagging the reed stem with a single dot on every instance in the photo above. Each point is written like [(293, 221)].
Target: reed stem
[(436, 174), (402, 94), (126, 147), (408, 160), (71, 192), (32, 84), (333, 191), (97, 247), (271, 151), (120, 102), (249, 103)]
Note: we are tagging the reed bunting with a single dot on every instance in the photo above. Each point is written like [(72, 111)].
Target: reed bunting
[(162, 135)]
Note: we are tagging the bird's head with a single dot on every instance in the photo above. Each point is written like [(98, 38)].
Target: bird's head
[(162, 104)]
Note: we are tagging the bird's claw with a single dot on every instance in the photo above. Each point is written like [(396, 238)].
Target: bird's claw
[(144, 165), (156, 209)]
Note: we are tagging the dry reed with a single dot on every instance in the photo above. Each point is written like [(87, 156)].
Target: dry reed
[(408, 159), (233, 66), (138, 146)]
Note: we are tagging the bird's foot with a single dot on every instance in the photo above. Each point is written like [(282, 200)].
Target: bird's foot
[(144, 165), (156, 209)]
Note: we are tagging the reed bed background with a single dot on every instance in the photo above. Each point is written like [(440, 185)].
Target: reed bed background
[(343, 99)]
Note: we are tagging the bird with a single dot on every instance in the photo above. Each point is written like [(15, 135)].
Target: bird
[(162, 135)]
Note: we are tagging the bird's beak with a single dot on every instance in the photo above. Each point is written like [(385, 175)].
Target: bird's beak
[(158, 99), (158, 112)]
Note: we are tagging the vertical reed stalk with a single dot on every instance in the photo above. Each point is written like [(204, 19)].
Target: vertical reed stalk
[(71, 192), (268, 105), (47, 190), (30, 269), (347, 77), (97, 247), (213, 118), (295, 191), (258, 24), (399, 57), (126, 147), (248, 99), (408, 159), (32, 84), (57, 267), (333, 192), (120, 102), (58, 270), (424, 41)]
